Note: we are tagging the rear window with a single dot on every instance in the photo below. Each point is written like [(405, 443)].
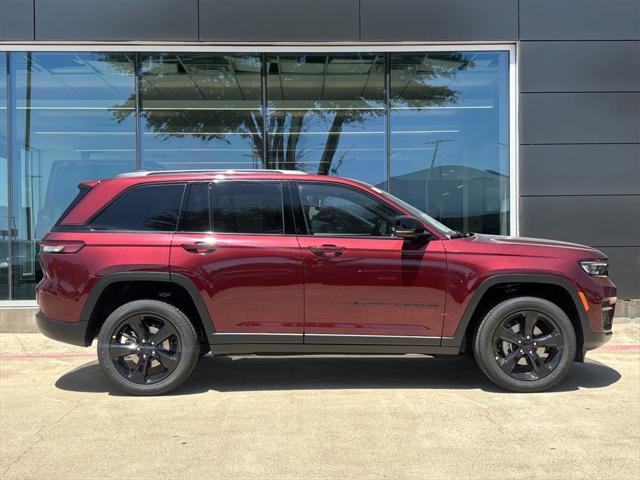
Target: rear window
[(152, 208), (247, 207), (195, 213)]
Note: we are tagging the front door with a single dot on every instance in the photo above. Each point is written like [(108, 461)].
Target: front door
[(233, 247), (362, 284)]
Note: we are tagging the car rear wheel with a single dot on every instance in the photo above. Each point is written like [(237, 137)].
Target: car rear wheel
[(525, 344), (148, 347)]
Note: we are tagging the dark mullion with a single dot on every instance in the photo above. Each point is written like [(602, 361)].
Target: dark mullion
[(9, 118), (138, 79), (387, 117), (263, 107)]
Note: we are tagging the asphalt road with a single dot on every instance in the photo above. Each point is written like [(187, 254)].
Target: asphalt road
[(316, 417)]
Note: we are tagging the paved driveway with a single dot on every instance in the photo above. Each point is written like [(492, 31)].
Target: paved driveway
[(316, 417)]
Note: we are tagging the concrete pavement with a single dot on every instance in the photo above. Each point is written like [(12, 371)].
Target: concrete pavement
[(316, 417)]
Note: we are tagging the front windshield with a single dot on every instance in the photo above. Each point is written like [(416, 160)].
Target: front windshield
[(418, 213)]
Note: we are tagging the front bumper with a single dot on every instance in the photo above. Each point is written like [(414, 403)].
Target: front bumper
[(598, 330), (593, 340), (74, 333)]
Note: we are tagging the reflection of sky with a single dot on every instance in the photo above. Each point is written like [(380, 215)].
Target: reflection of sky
[(471, 130), (465, 137)]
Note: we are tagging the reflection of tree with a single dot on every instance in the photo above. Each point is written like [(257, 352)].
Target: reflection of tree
[(418, 88), (291, 124), (163, 221), (286, 127), (422, 75)]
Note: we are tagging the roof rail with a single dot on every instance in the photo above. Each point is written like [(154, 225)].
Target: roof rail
[(145, 173)]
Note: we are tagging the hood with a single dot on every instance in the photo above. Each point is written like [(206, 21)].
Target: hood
[(525, 244)]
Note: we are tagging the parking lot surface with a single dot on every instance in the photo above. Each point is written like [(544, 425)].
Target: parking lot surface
[(328, 417)]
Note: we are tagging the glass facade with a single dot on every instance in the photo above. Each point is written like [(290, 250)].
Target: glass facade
[(326, 115), (5, 221), (430, 127), (201, 111), (449, 115), (71, 121)]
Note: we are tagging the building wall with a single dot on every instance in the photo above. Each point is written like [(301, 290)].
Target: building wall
[(579, 72), (580, 127)]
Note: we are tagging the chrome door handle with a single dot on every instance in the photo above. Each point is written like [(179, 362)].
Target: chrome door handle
[(327, 250), (200, 248)]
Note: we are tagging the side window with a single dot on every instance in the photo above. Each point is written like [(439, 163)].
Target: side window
[(336, 210), (195, 213), (247, 207), (151, 208)]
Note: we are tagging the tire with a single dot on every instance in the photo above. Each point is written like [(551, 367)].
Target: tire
[(204, 349), (525, 344), (148, 347)]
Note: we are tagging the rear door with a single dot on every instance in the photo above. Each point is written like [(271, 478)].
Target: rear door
[(132, 233), (237, 245)]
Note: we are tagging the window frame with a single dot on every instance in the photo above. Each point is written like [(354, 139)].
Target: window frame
[(288, 221), (300, 216), (184, 203)]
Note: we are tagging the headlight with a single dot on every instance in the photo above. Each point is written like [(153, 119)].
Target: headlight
[(595, 268)]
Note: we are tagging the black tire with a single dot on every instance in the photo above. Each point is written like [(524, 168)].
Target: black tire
[(204, 349), (525, 344), (136, 357)]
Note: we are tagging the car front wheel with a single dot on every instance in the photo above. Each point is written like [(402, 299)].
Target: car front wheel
[(525, 344), (148, 347)]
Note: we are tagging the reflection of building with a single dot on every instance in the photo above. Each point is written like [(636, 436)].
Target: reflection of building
[(364, 89), (465, 198)]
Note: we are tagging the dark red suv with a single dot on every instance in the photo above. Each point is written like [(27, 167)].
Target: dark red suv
[(164, 266)]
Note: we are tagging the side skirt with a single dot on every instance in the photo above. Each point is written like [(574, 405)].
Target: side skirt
[(293, 343), (311, 349)]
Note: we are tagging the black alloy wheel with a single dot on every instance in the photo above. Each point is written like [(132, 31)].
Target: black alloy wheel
[(145, 349), (148, 347), (528, 345), (525, 344)]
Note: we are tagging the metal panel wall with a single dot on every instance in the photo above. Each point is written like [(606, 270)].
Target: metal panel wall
[(580, 66), (279, 20), (598, 220), (579, 20), (602, 169), (439, 20), (580, 128), (610, 117), (16, 20), (163, 20), (625, 269)]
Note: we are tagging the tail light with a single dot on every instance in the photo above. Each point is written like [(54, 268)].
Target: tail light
[(61, 247)]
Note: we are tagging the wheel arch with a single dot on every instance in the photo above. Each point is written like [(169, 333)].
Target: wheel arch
[(172, 288), (498, 288)]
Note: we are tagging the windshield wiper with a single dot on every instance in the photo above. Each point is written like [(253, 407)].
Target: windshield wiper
[(461, 235)]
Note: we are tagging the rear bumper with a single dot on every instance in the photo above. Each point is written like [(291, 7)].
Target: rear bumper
[(74, 333)]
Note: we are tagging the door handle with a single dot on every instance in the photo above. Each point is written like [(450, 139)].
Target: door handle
[(200, 248), (327, 250)]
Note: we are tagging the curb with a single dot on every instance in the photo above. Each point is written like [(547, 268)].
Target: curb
[(18, 320)]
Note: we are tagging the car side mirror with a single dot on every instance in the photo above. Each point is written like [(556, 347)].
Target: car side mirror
[(409, 228)]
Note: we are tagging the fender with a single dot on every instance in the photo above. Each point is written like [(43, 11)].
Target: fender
[(458, 338), (165, 277)]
